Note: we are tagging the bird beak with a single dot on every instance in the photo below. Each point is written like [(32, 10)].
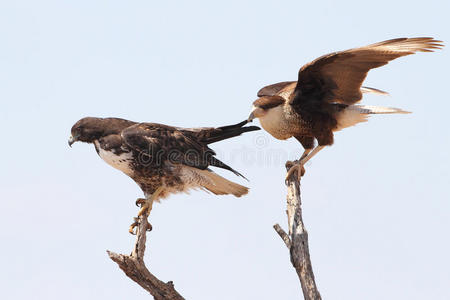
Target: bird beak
[(71, 141), (251, 117)]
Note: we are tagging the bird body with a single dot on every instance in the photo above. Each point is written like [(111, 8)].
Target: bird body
[(284, 121), (162, 159), (324, 98)]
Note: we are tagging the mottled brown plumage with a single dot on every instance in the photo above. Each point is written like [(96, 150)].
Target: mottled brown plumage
[(323, 98), (161, 159)]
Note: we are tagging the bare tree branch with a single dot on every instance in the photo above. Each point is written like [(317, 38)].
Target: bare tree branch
[(283, 235), (297, 240), (134, 267)]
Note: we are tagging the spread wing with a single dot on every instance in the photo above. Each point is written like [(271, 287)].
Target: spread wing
[(158, 144), (273, 89), (337, 77)]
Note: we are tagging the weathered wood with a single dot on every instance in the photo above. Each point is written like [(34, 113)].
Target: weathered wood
[(134, 267), (297, 239)]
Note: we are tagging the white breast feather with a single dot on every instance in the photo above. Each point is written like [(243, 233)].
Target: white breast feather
[(275, 123), (120, 162)]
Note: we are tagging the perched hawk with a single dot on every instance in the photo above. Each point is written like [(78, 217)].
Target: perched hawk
[(324, 98), (161, 159)]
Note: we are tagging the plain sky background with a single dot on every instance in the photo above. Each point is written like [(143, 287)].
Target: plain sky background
[(376, 204)]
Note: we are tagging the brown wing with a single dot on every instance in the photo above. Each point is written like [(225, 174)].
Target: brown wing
[(160, 143), (157, 144), (337, 77), (273, 89)]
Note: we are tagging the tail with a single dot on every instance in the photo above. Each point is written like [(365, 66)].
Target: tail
[(212, 135), (216, 184), (223, 133), (366, 89), (354, 114), (219, 164), (369, 109)]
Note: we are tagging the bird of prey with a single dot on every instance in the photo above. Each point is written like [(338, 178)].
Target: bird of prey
[(323, 99), (161, 159)]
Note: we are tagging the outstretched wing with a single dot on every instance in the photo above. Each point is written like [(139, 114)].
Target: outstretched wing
[(337, 77), (158, 144), (273, 89)]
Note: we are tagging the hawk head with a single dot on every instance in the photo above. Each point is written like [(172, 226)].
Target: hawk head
[(87, 130)]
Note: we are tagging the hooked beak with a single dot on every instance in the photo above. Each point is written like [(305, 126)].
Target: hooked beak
[(251, 117), (71, 141)]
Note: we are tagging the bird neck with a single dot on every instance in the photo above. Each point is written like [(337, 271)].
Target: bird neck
[(276, 123)]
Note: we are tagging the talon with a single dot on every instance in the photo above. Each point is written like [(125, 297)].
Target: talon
[(146, 207), (290, 163), (133, 225), (136, 224), (295, 166), (140, 201)]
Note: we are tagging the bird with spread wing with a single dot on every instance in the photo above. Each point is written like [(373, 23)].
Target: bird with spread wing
[(323, 99), (161, 159)]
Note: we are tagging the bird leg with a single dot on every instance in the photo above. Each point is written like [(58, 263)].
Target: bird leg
[(146, 207), (305, 153), (310, 155), (298, 165)]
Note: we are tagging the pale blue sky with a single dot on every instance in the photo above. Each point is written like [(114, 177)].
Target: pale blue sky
[(376, 204)]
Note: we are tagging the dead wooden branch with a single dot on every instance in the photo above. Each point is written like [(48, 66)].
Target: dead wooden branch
[(134, 267), (297, 240)]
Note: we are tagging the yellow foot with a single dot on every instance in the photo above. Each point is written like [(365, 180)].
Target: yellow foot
[(294, 166), (146, 206), (135, 224)]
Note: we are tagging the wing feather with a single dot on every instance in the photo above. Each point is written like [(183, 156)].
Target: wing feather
[(337, 77), (274, 89), (159, 144), (162, 143)]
